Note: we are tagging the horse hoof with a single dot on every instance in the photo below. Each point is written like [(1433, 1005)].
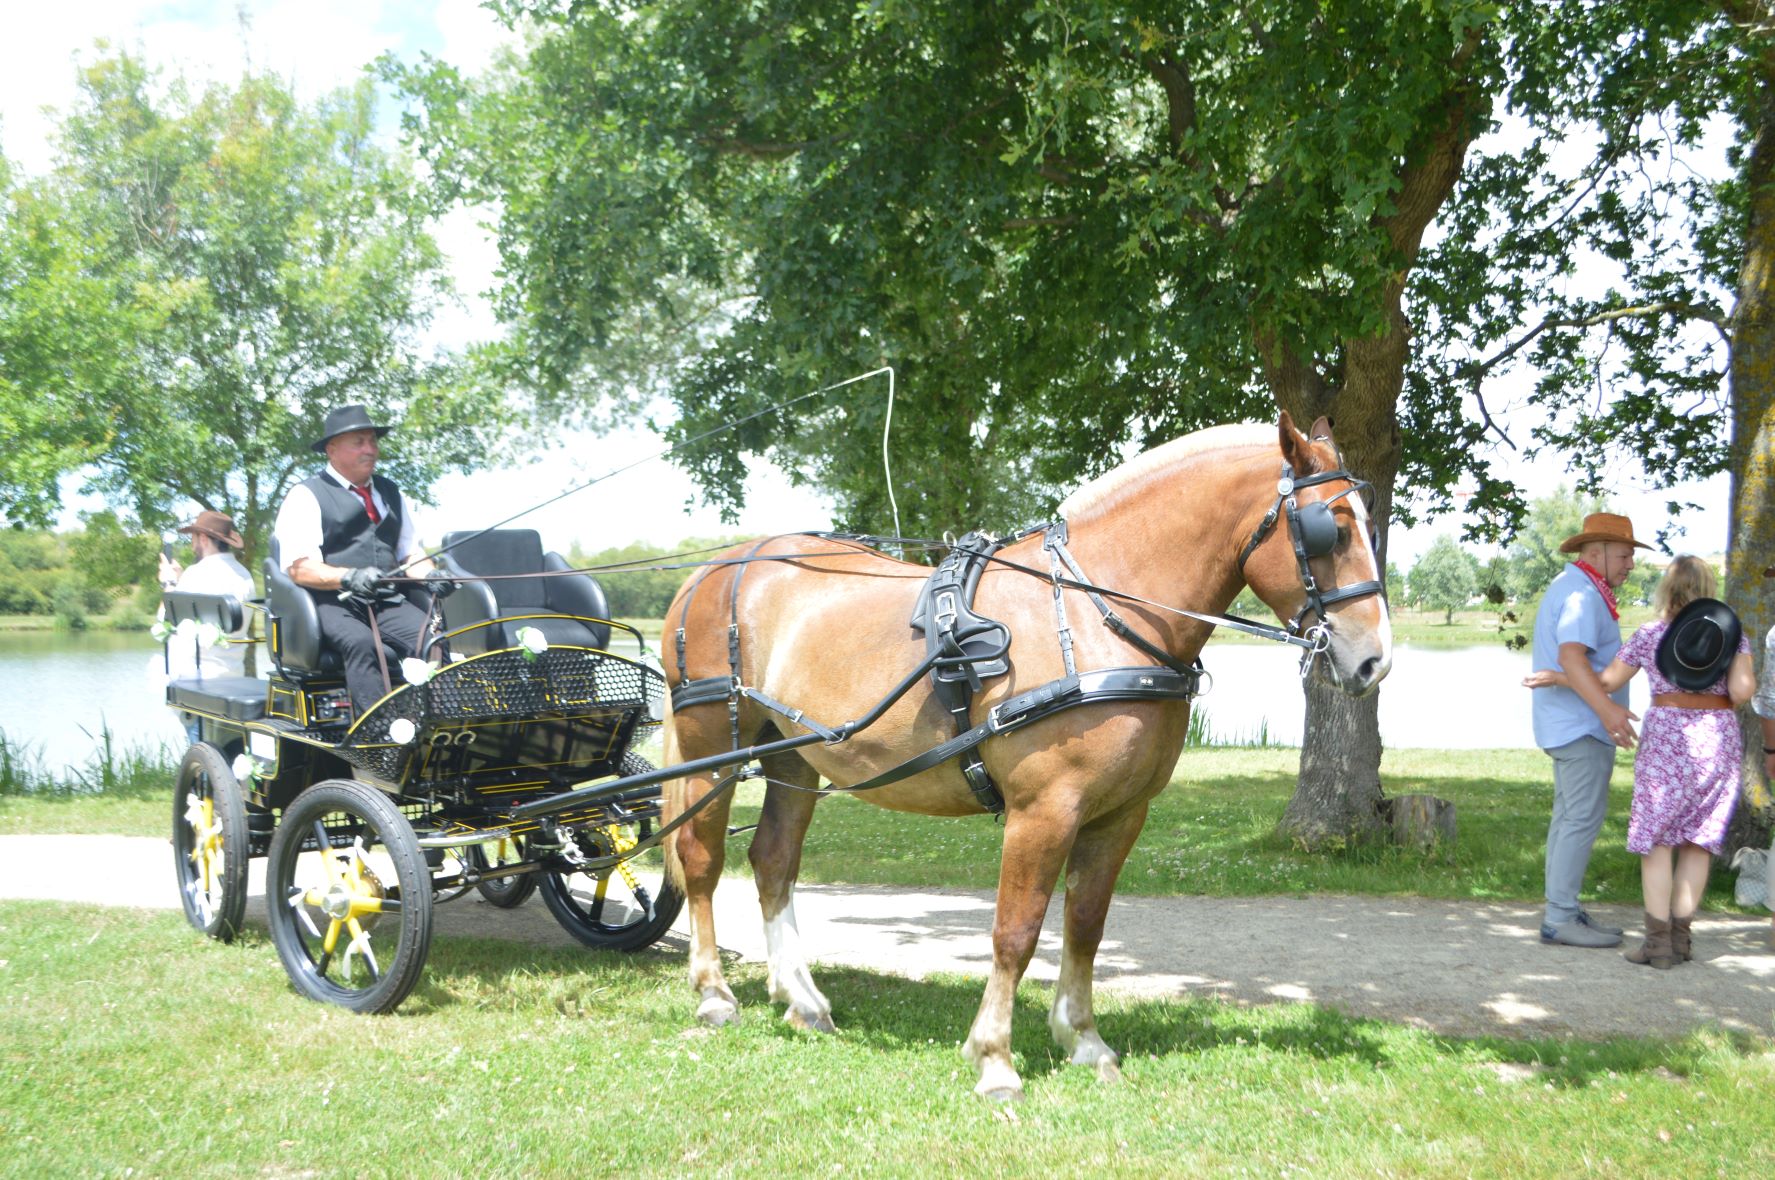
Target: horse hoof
[(716, 1012), (1000, 1094), (820, 1022), (1108, 1070)]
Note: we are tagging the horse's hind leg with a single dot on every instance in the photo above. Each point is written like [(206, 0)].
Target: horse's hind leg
[(1097, 857), (700, 850), (775, 854)]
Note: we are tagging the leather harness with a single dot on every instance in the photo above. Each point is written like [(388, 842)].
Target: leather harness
[(964, 648)]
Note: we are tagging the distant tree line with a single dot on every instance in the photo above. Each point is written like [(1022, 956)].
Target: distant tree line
[(640, 591), (77, 574)]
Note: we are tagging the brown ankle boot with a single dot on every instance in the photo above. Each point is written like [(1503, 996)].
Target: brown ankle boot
[(1655, 950), (1679, 938)]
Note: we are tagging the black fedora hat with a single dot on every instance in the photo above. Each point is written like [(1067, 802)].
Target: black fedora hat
[(1699, 645), (344, 420)]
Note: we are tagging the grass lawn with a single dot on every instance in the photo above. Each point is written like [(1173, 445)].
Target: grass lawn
[(130, 1046)]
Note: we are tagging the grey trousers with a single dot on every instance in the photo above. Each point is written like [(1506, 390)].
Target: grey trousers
[(1581, 771)]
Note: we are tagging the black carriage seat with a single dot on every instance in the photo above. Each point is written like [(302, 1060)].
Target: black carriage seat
[(238, 698), (517, 551), (293, 630)]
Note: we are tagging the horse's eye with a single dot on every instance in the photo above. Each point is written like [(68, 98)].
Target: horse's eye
[(1343, 537)]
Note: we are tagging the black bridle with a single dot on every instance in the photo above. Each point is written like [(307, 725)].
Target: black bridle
[(1312, 530)]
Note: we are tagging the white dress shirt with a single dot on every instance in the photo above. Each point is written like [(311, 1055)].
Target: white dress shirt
[(298, 528)]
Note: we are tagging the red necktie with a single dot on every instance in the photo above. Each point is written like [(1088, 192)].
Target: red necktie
[(369, 504)]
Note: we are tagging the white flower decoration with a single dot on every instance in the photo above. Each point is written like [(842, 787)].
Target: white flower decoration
[(416, 671), (245, 767), (210, 635), (161, 630), (401, 731), (533, 641)]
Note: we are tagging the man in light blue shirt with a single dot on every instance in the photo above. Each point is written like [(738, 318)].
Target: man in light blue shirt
[(1577, 631)]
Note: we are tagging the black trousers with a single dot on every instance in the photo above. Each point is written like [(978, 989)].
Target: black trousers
[(346, 626)]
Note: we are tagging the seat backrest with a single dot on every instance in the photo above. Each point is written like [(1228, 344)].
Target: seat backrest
[(518, 551), (294, 625), (502, 551)]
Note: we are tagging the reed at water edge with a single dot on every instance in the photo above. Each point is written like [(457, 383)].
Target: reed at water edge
[(111, 769)]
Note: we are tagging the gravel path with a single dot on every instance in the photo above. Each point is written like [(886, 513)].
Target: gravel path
[(1457, 968)]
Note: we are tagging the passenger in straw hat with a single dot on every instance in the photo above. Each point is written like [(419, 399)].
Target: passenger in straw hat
[(1685, 774), (1580, 724)]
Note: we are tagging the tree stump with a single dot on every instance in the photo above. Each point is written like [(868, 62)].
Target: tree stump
[(1422, 821)]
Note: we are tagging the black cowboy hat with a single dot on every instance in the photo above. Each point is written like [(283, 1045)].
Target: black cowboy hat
[(344, 420), (1699, 645)]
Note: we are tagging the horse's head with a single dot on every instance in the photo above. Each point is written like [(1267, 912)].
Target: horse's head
[(1312, 559)]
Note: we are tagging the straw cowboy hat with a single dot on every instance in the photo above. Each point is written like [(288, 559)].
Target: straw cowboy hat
[(1602, 526), (1699, 645), (344, 420), (216, 525)]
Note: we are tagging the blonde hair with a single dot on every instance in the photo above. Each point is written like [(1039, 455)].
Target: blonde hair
[(1685, 579)]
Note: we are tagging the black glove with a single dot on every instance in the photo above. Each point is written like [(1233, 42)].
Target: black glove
[(440, 584), (360, 582)]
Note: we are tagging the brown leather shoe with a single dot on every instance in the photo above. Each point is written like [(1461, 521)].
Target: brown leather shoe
[(1655, 950), (1679, 937)]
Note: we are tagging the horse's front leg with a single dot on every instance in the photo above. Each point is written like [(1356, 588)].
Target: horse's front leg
[(699, 849), (775, 854), (1035, 846), (1097, 857)]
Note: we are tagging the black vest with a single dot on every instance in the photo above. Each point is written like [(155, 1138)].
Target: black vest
[(347, 537)]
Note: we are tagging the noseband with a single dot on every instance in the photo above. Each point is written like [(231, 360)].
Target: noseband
[(1313, 532)]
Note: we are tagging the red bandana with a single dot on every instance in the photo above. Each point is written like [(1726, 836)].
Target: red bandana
[(1602, 587)]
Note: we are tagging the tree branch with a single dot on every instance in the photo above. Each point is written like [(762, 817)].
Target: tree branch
[(1476, 371)]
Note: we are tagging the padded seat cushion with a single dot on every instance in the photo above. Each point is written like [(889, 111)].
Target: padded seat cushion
[(238, 698)]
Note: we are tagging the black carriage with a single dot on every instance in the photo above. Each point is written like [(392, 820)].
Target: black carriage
[(366, 822)]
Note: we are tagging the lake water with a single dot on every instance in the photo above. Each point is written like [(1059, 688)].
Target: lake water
[(57, 691)]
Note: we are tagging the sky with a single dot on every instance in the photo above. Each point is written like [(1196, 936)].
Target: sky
[(323, 44)]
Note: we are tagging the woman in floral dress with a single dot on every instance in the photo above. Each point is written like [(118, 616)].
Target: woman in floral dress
[(1685, 775)]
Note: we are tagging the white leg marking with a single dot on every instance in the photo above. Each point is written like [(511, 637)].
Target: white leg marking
[(790, 981)]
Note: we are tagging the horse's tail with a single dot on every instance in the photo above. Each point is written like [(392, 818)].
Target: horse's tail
[(674, 798)]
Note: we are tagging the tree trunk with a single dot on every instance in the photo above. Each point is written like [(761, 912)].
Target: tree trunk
[(1338, 800), (1751, 547)]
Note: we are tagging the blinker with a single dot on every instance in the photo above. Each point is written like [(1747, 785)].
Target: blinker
[(1318, 528)]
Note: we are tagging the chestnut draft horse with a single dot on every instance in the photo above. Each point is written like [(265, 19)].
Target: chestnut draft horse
[(822, 627)]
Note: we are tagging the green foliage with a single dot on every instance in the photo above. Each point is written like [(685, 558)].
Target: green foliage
[(1072, 228), (639, 592), (1444, 578), (112, 554), (1591, 270), (200, 277), (68, 575), (1534, 557)]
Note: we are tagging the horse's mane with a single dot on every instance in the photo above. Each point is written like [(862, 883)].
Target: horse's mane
[(1239, 435)]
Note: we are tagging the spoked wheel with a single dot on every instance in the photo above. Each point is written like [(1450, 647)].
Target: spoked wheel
[(625, 908), (348, 897), (504, 892), (210, 849)]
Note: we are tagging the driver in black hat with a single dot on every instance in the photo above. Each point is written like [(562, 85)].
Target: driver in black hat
[(337, 533)]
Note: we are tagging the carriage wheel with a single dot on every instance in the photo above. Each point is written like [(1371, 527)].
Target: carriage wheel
[(504, 892), (348, 897), (625, 908), (210, 844)]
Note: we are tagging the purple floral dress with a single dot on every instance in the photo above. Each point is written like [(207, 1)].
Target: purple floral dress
[(1685, 775)]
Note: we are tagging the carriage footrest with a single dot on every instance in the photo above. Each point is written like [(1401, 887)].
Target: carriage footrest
[(238, 698)]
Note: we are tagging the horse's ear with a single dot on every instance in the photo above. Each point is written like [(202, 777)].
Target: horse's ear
[(1297, 451), (1321, 428)]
